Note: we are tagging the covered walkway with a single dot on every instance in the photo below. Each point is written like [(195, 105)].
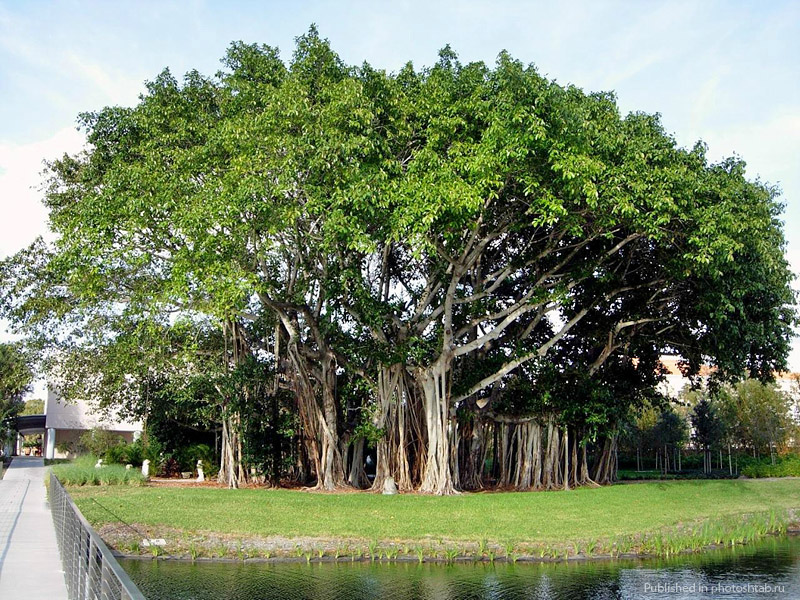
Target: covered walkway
[(30, 566)]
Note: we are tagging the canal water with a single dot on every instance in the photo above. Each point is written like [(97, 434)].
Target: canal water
[(769, 569)]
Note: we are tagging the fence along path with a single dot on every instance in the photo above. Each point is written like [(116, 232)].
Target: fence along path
[(90, 570)]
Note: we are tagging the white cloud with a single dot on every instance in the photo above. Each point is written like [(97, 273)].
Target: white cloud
[(707, 97), (113, 86), (23, 215)]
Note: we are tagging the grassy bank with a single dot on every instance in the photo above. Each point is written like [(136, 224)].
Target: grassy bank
[(652, 518)]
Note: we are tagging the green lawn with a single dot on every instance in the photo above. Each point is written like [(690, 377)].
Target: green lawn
[(524, 517)]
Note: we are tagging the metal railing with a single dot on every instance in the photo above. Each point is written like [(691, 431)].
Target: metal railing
[(90, 570)]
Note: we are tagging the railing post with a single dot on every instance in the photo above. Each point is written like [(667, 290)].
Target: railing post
[(95, 571), (84, 564), (106, 593), (75, 557)]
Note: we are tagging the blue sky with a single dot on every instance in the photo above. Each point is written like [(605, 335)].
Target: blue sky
[(724, 72)]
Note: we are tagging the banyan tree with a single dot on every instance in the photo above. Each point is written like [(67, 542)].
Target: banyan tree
[(467, 271)]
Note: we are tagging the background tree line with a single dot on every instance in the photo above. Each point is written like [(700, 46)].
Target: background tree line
[(720, 423), (470, 271)]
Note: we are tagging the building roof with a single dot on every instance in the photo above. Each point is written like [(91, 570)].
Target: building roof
[(30, 424)]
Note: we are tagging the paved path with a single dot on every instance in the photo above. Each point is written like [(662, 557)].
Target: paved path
[(30, 566)]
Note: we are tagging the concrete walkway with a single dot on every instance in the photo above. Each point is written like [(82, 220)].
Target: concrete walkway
[(30, 566)]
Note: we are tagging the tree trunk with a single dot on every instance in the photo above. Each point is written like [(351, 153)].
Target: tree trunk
[(604, 471), (393, 406), (232, 471), (356, 475), (474, 454), (242, 474), (229, 466), (730, 464), (400, 466), (437, 477), (573, 469), (566, 459), (320, 422), (503, 452), (528, 467), (551, 478), (275, 442), (331, 460), (416, 438), (585, 479), (387, 383)]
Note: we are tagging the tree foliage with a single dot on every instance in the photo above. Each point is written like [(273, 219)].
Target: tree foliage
[(461, 239), (15, 380), (759, 415), (33, 407)]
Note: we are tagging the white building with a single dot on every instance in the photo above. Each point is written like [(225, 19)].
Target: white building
[(66, 422), (674, 380)]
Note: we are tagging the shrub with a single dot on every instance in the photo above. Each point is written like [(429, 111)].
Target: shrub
[(135, 453), (170, 468), (99, 441), (630, 475), (785, 466), (72, 447), (188, 456), (116, 454), (154, 452)]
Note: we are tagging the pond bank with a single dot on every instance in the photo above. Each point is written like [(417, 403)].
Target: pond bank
[(133, 541), (215, 549)]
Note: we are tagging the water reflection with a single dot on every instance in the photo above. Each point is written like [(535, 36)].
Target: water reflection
[(770, 569)]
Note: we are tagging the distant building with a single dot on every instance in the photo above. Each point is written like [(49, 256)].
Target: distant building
[(675, 381), (66, 422)]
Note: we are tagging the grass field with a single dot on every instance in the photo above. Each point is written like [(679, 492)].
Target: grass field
[(540, 517)]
